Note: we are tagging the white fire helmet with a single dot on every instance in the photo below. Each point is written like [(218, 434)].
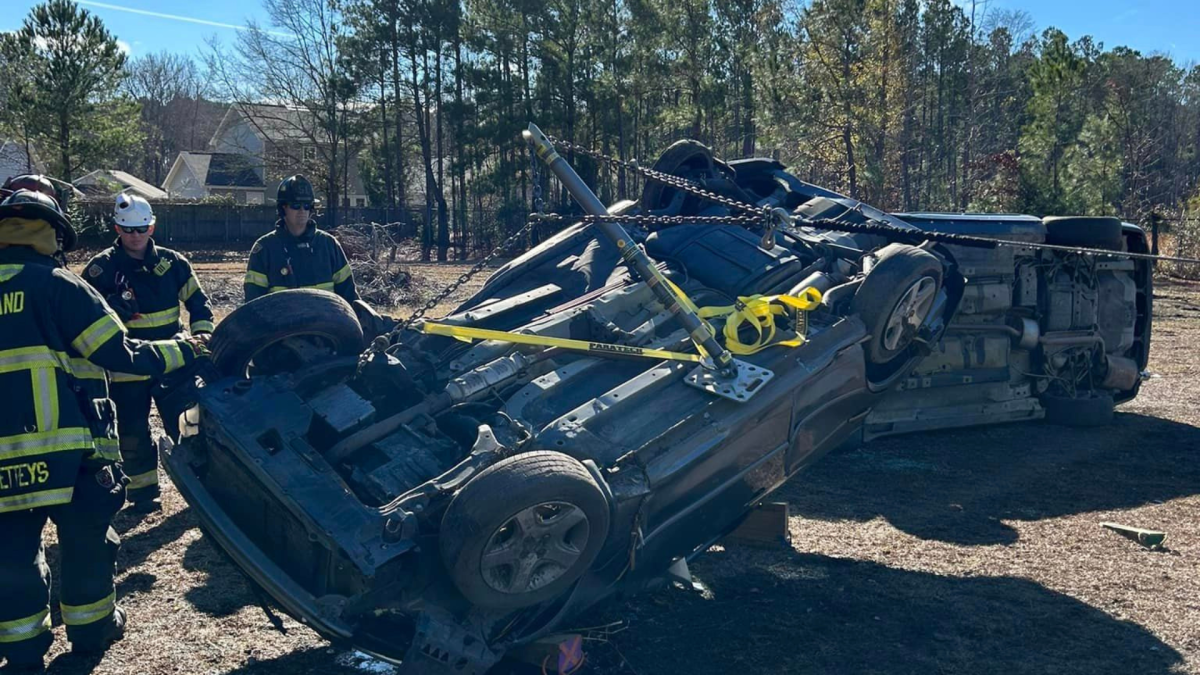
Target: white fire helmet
[(132, 211)]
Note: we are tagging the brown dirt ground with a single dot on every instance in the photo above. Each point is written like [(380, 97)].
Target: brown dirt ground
[(970, 551)]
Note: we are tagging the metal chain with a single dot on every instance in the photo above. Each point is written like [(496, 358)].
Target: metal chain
[(763, 212), (649, 220), (465, 277), (539, 206), (765, 217)]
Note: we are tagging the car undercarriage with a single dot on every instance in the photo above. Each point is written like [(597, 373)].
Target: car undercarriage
[(439, 497)]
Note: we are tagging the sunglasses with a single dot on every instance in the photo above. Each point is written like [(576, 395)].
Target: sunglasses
[(135, 230), (307, 206)]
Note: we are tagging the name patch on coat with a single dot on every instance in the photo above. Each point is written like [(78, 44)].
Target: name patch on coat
[(12, 303), (23, 475)]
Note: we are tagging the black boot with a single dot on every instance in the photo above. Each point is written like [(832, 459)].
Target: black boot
[(116, 631)]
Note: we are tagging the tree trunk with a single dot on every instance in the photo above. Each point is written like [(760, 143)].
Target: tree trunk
[(443, 244)]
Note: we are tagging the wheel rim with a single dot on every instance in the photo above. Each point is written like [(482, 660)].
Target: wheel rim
[(535, 547), (264, 362), (909, 313)]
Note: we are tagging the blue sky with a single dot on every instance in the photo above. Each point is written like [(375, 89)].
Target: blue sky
[(1168, 26)]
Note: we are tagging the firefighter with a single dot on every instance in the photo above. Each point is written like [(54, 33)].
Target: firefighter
[(144, 284), (298, 255), (58, 451)]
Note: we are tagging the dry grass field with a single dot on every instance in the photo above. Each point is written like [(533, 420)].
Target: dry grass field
[(970, 551)]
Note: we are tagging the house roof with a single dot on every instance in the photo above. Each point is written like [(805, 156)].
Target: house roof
[(273, 122), (218, 169), (95, 183), (228, 170)]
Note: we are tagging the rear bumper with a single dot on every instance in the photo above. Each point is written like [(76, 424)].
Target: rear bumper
[(292, 597)]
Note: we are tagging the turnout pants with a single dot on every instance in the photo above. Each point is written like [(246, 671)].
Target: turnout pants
[(87, 547), (139, 454)]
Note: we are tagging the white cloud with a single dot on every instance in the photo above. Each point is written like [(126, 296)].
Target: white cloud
[(124, 47)]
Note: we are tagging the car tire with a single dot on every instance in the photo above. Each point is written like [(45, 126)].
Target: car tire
[(1087, 232), (904, 276), (524, 530), (1090, 409), (277, 316), (657, 195)]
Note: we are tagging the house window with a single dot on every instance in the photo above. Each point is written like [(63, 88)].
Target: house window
[(310, 153), (360, 201)]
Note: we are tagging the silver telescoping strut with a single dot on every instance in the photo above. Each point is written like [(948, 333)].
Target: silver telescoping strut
[(727, 377)]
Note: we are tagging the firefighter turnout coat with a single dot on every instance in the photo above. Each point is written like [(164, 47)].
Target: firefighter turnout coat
[(280, 261), (57, 336), (158, 283)]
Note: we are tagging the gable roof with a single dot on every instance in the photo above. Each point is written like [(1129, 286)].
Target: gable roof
[(227, 170), (218, 169), (273, 123), (97, 180)]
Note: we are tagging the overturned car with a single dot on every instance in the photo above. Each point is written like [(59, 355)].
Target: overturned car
[(580, 426)]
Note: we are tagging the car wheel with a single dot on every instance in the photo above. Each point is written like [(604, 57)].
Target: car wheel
[(687, 158), (1088, 409), (285, 329), (1084, 231), (524, 530), (895, 299)]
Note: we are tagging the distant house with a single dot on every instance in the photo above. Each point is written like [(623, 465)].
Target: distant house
[(252, 150), (103, 183), (15, 160), (196, 175)]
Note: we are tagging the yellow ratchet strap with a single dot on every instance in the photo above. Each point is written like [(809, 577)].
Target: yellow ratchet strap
[(759, 311), (467, 334)]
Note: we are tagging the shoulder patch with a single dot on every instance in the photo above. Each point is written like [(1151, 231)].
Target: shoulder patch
[(256, 248), (95, 271)]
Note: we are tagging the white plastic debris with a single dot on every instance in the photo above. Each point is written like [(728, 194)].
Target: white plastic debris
[(365, 663)]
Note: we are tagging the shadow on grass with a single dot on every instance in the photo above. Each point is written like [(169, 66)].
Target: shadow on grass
[(785, 612), (957, 486)]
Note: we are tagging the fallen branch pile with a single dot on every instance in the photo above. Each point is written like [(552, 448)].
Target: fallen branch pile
[(377, 259)]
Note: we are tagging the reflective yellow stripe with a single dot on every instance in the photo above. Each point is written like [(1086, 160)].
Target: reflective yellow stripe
[(189, 288), (45, 397), (35, 500), (128, 377), (171, 354), (43, 442), (143, 480), (29, 358), (256, 278), (26, 628), (327, 286), (9, 271), (95, 335), (342, 274), (81, 615), (155, 319), (107, 448), (202, 327), (85, 370)]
